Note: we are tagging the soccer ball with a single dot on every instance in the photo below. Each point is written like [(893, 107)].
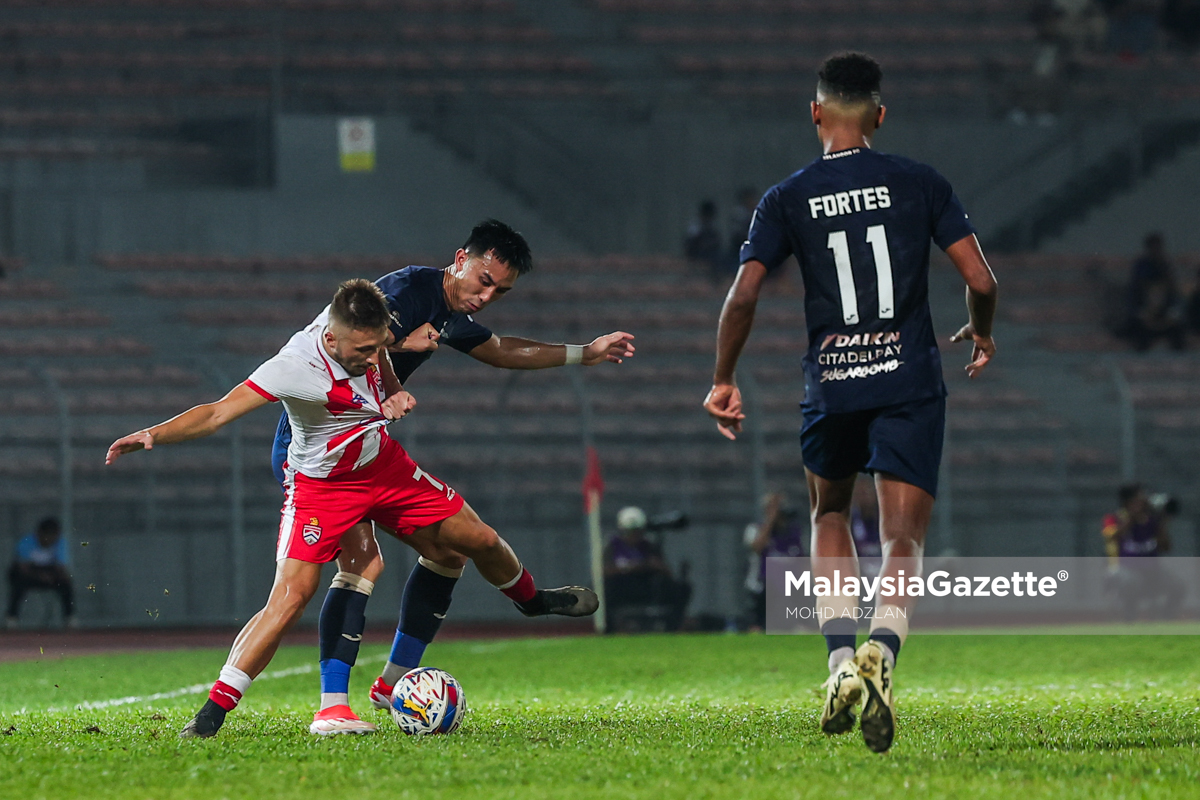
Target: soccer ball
[(427, 701)]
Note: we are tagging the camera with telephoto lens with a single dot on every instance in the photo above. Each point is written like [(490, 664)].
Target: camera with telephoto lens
[(1163, 503), (667, 521)]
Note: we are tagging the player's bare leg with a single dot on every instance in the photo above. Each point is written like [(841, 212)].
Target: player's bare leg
[(467, 534), (833, 549), (904, 514), (340, 629), (295, 584)]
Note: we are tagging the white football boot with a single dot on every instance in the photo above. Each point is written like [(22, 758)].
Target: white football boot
[(878, 715), (843, 690)]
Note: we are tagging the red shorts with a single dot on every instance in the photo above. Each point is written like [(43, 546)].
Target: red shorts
[(392, 490)]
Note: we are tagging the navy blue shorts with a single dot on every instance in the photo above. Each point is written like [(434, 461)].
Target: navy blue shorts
[(279, 448), (903, 440)]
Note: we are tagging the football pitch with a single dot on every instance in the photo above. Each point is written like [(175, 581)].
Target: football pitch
[(640, 717)]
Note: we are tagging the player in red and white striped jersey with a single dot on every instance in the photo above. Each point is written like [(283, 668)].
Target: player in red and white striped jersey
[(342, 468)]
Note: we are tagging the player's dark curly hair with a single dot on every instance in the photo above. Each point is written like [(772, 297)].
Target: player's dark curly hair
[(360, 305), (852, 77), (504, 243)]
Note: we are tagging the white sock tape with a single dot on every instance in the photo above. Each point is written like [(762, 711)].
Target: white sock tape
[(513, 582), (355, 583), (233, 677), (438, 569), (574, 354)]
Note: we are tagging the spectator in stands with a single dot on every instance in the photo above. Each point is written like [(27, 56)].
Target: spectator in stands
[(639, 589), (702, 246), (1135, 535), (1132, 25), (780, 533), (41, 563), (739, 225), (1193, 305), (1181, 21), (1154, 305), (1066, 28)]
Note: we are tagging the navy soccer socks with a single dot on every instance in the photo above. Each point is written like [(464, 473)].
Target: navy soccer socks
[(425, 603), (340, 629)]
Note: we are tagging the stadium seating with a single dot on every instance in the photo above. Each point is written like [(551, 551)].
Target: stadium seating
[(1022, 464)]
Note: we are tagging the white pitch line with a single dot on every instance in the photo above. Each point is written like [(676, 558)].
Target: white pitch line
[(195, 688)]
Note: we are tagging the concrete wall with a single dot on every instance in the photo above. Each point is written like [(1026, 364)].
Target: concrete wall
[(1165, 201), (421, 198)]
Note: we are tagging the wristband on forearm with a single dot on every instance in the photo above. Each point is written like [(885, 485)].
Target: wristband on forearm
[(574, 354)]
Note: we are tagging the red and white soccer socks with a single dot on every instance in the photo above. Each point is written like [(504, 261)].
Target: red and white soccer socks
[(230, 686), (520, 589)]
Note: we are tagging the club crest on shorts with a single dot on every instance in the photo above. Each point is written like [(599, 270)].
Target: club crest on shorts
[(311, 532)]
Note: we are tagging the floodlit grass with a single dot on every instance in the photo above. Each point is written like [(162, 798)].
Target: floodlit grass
[(647, 717)]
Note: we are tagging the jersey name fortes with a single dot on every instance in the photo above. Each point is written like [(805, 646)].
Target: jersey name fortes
[(336, 420), (851, 201), (860, 223)]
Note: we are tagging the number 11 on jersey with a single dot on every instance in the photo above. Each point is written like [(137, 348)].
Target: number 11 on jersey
[(877, 238)]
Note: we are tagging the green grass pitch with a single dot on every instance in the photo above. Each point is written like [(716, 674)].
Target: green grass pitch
[(643, 717)]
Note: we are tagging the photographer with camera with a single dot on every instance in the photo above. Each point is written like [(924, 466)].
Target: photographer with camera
[(1135, 535), (781, 533), (639, 588)]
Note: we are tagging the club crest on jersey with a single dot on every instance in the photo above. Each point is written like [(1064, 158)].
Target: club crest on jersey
[(311, 532)]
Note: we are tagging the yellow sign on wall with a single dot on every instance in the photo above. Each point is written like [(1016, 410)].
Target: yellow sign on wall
[(356, 144)]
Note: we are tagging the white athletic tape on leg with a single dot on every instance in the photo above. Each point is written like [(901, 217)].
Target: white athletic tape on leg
[(513, 582), (894, 618), (233, 677), (355, 583), (438, 569)]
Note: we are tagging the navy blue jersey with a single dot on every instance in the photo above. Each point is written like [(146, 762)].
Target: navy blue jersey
[(414, 297), (859, 223)]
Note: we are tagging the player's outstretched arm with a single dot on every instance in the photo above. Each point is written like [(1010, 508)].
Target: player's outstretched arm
[(724, 401), (194, 423), (512, 352), (981, 301)]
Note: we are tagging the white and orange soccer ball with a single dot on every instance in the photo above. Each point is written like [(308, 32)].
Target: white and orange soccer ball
[(428, 701)]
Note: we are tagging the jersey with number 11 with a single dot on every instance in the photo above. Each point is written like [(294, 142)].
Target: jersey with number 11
[(859, 224)]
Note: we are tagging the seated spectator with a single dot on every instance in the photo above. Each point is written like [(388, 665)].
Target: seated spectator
[(1192, 312), (1135, 535), (41, 563), (781, 533), (639, 589), (1066, 28), (1181, 21), (1154, 306), (702, 246), (1132, 25), (739, 226)]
